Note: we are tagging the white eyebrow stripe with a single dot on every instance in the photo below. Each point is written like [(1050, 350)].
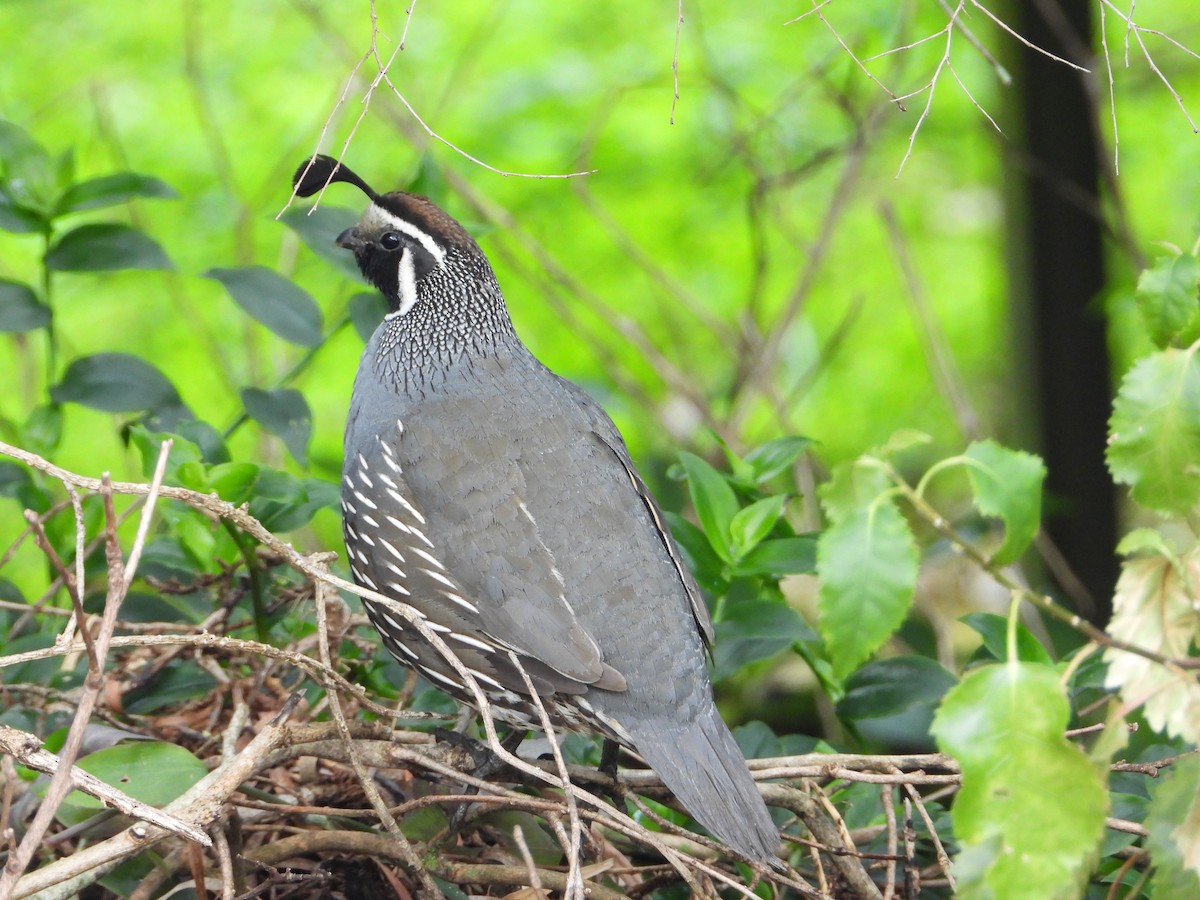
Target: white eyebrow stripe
[(421, 237)]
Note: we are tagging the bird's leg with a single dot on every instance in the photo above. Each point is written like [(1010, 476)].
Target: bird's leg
[(610, 750), (487, 762)]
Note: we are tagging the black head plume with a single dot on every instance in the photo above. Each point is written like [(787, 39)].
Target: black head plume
[(315, 173)]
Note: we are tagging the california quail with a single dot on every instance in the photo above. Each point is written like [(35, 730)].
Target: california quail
[(499, 501)]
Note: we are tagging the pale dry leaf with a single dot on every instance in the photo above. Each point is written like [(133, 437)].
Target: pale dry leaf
[(1154, 608)]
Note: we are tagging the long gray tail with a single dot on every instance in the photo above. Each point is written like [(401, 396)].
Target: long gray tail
[(702, 765)]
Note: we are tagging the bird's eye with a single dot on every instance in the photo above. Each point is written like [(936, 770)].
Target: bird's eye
[(389, 240)]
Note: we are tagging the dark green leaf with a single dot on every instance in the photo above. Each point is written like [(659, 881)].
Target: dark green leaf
[(714, 501), (868, 568), (1155, 430), (43, 429), (1174, 840), (179, 682), (773, 457), (233, 481), (283, 502), (1169, 300), (283, 412), (752, 630), (105, 247), (429, 181), (888, 687), (30, 179), (698, 554), (109, 190), (114, 382), (756, 740), (994, 631), (319, 227), (366, 312), (274, 301), (779, 557), (1007, 484), (20, 309), (18, 219)]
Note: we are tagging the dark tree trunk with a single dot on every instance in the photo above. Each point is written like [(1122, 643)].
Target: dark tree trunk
[(1061, 253)]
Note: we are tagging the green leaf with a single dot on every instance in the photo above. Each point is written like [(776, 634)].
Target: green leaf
[(181, 681), (1004, 724), (1155, 430), (109, 190), (888, 687), (994, 631), (105, 247), (43, 429), (318, 227), (1173, 821), (780, 556), (851, 486), (714, 501), (283, 502), (1007, 484), (114, 382), (20, 309), (274, 301), (154, 772), (1169, 300), (771, 458), (18, 219), (753, 523), (283, 412), (233, 482), (367, 310), (30, 179), (868, 568), (699, 555), (751, 630)]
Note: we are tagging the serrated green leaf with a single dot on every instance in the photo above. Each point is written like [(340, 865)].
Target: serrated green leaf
[(115, 382), (109, 190), (1168, 298), (888, 687), (868, 568), (1173, 820), (994, 631), (1007, 484), (771, 458), (367, 310), (1145, 541), (318, 227), (714, 501), (751, 630), (1155, 430), (20, 309), (106, 247), (851, 486), (283, 412), (1004, 724), (753, 523), (779, 557), (274, 301), (904, 439)]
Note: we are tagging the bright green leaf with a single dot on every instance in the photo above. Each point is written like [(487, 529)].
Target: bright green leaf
[(994, 631), (20, 309), (233, 481), (888, 687), (109, 190), (1174, 825), (714, 501), (1155, 430), (868, 568), (779, 557), (154, 772), (105, 247), (1169, 300), (114, 382), (1007, 484), (274, 301), (771, 458), (283, 412), (753, 523), (851, 486), (1004, 724)]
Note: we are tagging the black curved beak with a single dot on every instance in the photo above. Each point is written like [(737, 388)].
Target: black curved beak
[(348, 239)]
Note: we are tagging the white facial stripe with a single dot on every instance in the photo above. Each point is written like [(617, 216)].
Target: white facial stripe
[(406, 285), (430, 245)]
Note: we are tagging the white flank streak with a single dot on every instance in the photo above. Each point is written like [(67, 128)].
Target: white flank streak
[(397, 587), (350, 530), (390, 548), (369, 583), (419, 533), (435, 675), (399, 498), (392, 464), (471, 642), (357, 573), (400, 426), (438, 627), (362, 475), (396, 626), (479, 675), (398, 524), (433, 562), (349, 481), (406, 285), (365, 500), (461, 601), (387, 480), (367, 539), (437, 576), (350, 507), (367, 518), (430, 245), (394, 569)]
